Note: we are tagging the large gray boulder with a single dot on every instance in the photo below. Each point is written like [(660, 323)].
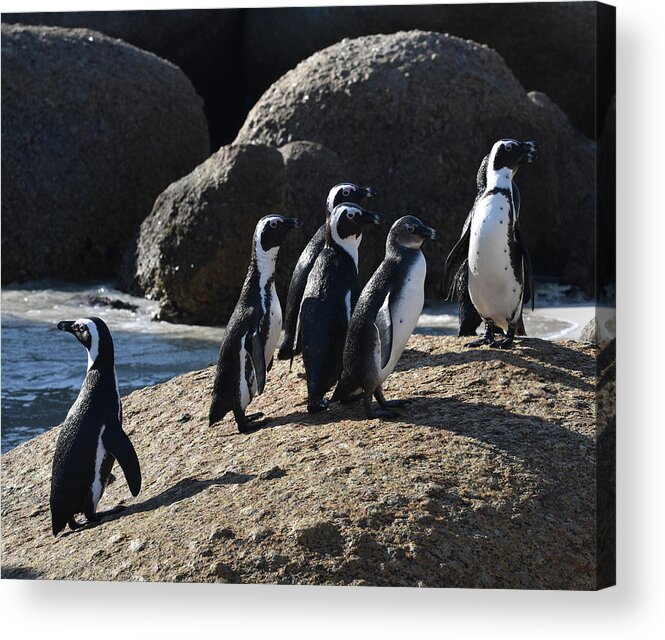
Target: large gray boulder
[(550, 47), (192, 252), (204, 43), (413, 114), (93, 130)]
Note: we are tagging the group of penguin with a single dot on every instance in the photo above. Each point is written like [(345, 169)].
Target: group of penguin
[(350, 337)]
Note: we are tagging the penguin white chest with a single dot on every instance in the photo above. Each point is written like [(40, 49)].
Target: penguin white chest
[(493, 286), (405, 310), (275, 325)]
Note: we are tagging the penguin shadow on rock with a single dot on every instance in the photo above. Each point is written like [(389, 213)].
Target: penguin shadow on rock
[(182, 490), (554, 361), (527, 437)]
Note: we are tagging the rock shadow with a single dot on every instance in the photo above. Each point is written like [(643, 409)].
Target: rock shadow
[(183, 489), (561, 361), (12, 572)]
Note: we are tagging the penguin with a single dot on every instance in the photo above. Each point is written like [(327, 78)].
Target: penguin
[(251, 336), (344, 192), (495, 267), (384, 317), (92, 437), (330, 295)]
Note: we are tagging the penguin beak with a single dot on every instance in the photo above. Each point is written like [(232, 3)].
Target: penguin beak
[(292, 223), (368, 192), (66, 325), (370, 217), (428, 232)]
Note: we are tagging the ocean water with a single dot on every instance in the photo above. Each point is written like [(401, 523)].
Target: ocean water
[(43, 368)]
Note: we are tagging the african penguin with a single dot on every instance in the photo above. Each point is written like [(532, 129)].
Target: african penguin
[(330, 295), (385, 316), (344, 192), (251, 336), (92, 437), (490, 257)]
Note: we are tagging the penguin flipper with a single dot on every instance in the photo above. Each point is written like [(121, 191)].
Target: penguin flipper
[(455, 261), (257, 355), (516, 200), (120, 446), (529, 292)]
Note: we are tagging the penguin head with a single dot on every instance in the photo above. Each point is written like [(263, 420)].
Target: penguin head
[(347, 221), (509, 154), (270, 232), (347, 192), (95, 336), (410, 232)]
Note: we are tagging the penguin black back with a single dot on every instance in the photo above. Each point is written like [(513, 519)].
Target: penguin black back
[(331, 293), (340, 193)]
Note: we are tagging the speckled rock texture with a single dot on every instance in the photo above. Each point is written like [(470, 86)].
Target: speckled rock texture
[(413, 114), (93, 130), (549, 47), (205, 44), (192, 252), (486, 480)]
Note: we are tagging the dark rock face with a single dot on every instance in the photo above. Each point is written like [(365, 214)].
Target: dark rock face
[(413, 114), (92, 131), (205, 44), (192, 252), (549, 47)]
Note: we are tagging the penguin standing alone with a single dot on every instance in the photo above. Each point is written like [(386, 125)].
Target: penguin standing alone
[(385, 317), (92, 437), (344, 192), (488, 265), (253, 330), (331, 293)]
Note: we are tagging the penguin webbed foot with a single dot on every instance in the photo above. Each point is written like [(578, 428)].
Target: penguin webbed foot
[(507, 342), (387, 404), (73, 524), (318, 406), (488, 338), (250, 423), (373, 413)]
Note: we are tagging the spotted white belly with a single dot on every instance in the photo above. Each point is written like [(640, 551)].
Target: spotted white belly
[(406, 310), (494, 290), (275, 327)]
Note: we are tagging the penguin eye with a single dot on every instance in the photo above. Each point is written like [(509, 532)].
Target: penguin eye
[(508, 146), (273, 223), (346, 192), (350, 215), (410, 228)]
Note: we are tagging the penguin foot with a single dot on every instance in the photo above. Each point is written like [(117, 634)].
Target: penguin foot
[(111, 480), (504, 343), (477, 343), (253, 426), (254, 416), (395, 403), (73, 525), (316, 407)]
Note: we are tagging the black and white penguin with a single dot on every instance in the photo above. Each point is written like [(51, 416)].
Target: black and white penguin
[(385, 317), (490, 258), (330, 295), (92, 437), (344, 192), (251, 336)]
